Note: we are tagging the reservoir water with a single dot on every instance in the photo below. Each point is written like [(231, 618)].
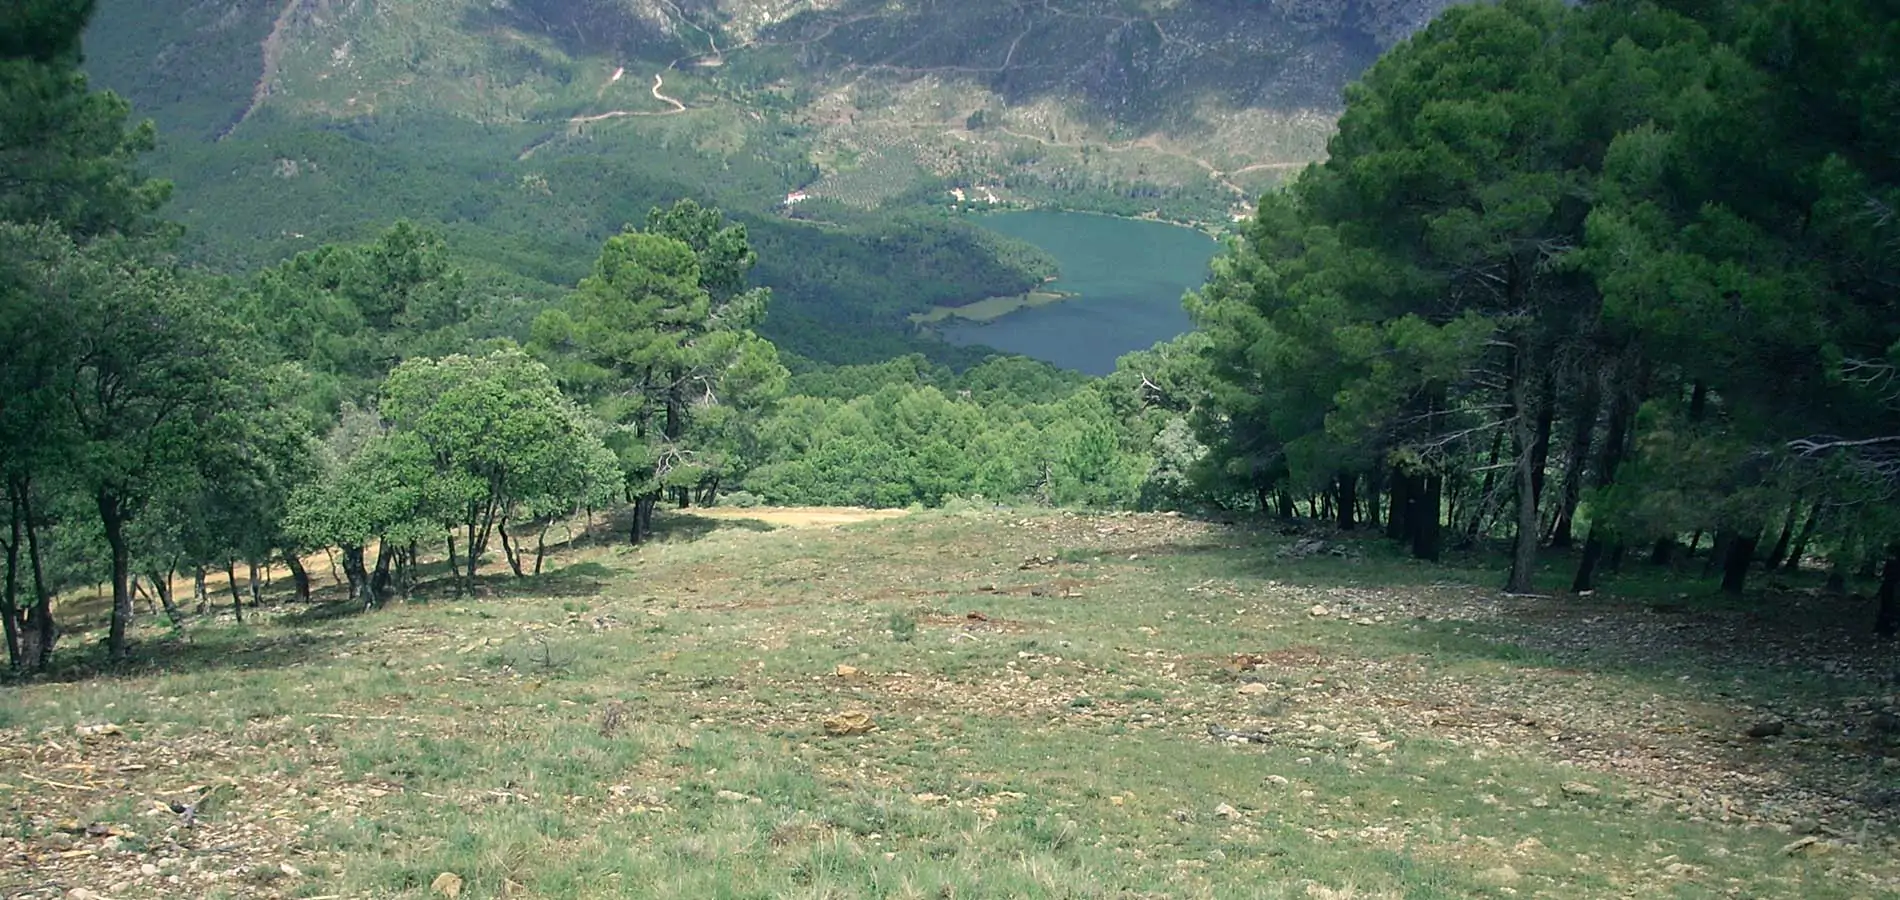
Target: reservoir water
[(1128, 277)]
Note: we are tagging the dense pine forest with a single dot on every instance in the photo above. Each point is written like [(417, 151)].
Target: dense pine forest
[(1612, 283)]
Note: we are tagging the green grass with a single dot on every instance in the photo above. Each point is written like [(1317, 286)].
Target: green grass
[(651, 723)]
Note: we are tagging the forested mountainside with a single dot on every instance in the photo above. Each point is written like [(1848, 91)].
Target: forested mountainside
[(529, 131)]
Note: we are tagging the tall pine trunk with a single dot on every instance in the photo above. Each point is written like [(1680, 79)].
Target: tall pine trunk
[(1887, 619), (1375, 489), (1530, 458), (1597, 543), (1741, 552), (1487, 500), (1780, 550), (1800, 548), (1576, 462), (1346, 483), (1400, 490), (1423, 516)]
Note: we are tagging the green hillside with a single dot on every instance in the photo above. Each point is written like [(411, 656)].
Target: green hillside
[(530, 131)]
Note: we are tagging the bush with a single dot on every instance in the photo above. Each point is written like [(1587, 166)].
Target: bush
[(739, 499)]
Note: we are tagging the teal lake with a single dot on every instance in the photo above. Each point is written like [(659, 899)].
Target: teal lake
[(1128, 276)]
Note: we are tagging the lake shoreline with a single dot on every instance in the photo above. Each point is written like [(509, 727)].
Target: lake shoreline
[(989, 309), (1215, 230), (1128, 272)]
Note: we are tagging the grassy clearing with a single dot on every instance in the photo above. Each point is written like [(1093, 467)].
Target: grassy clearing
[(654, 723), (990, 309)]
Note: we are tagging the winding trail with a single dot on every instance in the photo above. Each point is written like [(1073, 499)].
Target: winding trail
[(659, 81)]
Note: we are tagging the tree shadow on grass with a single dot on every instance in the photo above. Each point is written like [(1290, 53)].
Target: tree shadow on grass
[(203, 649)]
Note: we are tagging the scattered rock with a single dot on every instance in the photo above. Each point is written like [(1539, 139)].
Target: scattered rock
[(926, 799), (1254, 688), (1502, 876), (1225, 811), (732, 796), (1768, 729), (448, 884), (1809, 844), (844, 671), (58, 840), (97, 730), (849, 723), (1319, 611), (1278, 780), (148, 870), (1305, 547), (1579, 789)]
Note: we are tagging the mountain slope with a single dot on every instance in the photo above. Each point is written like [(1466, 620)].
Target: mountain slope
[(531, 129)]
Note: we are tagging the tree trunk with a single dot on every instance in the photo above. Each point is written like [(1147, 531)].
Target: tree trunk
[(1800, 548), (1347, 484), (237, 599), (379, 579), (1540, 447), (10, 603), (1424, 517), (1887, 619), (331, 555), (1284, 499), (508, 549), (1401, 491), (541, 545), (230, 581), (112, 519), (39, 632), (643, 517), (1530, 461), (1375, 496), (298, 577), (473, 560), (1780, 550), (1718, 551), (1664, 552), (1576, 462), (1741, 552), (257, 598), (162, 585), (357, 573), (200, 595), (1486, 500), (1621, 411), (1695, 541)]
